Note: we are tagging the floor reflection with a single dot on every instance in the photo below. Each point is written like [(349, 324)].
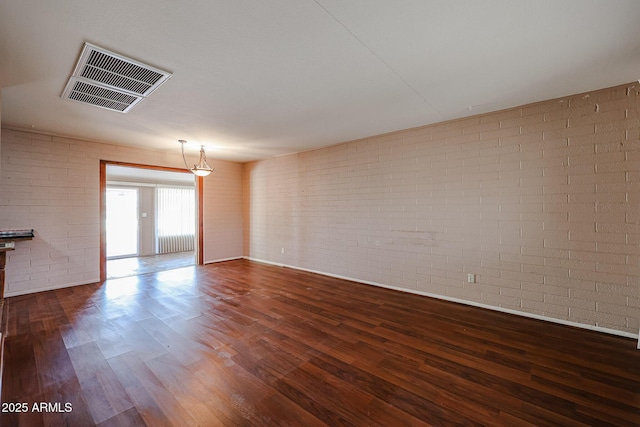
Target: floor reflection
[(116, 288), (134, 266)]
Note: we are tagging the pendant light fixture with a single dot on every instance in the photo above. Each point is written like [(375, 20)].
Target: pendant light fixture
[(202, 168)]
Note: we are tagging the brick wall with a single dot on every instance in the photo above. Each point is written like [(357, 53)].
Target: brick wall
[(223, 212), (0, 132), (541, 202), (51, 184)]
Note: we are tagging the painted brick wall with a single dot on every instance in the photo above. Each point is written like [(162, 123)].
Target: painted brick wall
[(223, 212), (541, 202), (51, 184), (0, 132)]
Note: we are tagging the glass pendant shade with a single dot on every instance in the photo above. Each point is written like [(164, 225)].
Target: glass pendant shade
[(202, 168)]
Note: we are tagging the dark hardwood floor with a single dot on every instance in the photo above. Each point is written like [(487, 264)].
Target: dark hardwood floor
[(243, 344)]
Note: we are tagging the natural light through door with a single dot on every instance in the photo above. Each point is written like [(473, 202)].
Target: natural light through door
[(122, 222), (176, 210)]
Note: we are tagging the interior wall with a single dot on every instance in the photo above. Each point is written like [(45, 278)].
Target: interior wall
[(0, 132), (540, 202), (147, 226), (223, 222), (51, 184)]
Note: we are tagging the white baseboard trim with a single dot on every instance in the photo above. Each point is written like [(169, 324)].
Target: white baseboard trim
[(49, 288), (223, 260), (460, 301)]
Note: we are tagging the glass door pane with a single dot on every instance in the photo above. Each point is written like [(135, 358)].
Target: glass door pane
[(122, 222)]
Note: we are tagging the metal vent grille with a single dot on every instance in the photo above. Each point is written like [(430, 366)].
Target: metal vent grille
[(102, 97), (111, 81), (115, 72)]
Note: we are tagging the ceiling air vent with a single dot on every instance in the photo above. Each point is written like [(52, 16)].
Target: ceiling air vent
[(101, 97), (108, 80)]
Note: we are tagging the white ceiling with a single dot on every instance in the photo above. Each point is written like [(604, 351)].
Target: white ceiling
[(254, 78)]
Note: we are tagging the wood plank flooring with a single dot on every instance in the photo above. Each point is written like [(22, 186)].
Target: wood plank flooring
[(245, 344)]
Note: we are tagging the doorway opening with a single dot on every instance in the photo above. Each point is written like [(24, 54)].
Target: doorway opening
[(122, 222), (150, 219)]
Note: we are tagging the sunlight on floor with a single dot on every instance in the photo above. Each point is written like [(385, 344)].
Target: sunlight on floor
[(134, 266)]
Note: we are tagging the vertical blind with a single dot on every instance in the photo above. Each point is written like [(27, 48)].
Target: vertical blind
[(176, 219)]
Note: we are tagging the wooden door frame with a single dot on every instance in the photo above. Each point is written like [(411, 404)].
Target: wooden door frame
[(103, 210)]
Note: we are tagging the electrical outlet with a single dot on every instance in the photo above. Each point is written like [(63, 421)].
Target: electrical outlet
[(282, 250), (471, 278)]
